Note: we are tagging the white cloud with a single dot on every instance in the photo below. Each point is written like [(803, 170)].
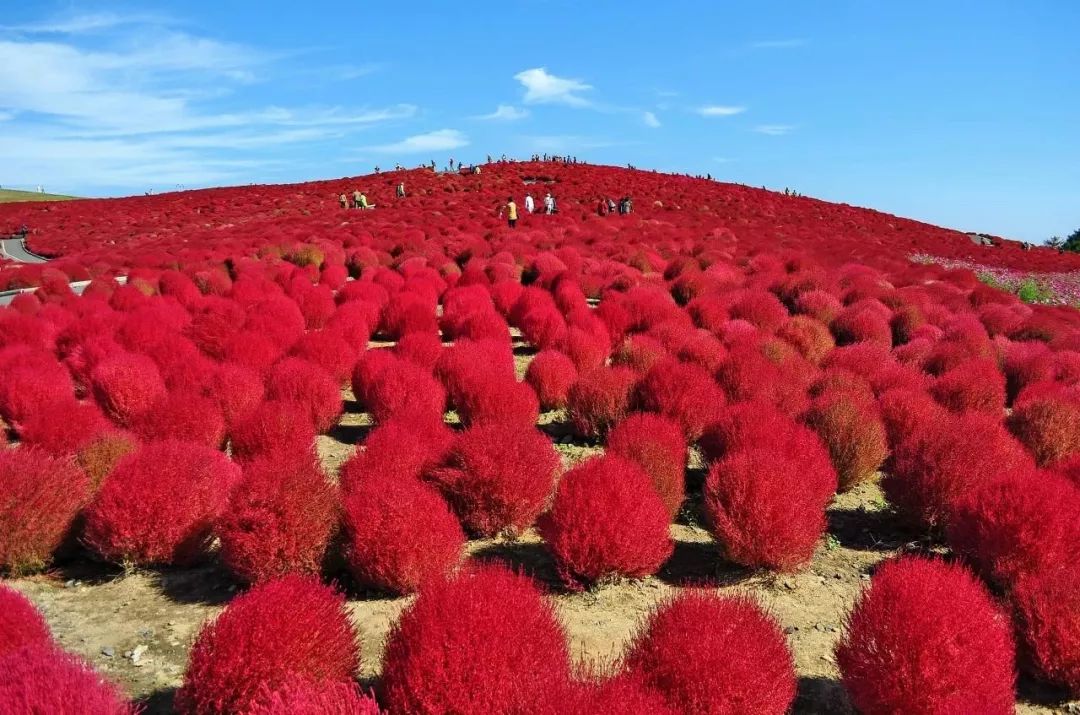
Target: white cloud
[(650, 120), (128, 102), (779, 44), (542, 87), (774, 130), (505, 113), (439, 140), (717, 110)]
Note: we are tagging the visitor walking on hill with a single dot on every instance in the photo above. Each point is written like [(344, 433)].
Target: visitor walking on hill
[(530, 205), (549, 204), (511, 212), (610, 205), (344, 201), (401, 190)]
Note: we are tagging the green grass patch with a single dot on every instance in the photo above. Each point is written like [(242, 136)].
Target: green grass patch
[(8, 196)]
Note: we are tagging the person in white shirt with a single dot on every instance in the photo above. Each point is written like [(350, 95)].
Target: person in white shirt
[(549, 204), (530, 205)]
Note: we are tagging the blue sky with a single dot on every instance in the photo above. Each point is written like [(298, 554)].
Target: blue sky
[(964, 113)]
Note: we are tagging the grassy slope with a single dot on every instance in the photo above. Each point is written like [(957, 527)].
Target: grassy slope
[(11, 196)]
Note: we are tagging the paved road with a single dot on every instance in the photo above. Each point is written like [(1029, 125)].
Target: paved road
[(15, 249)]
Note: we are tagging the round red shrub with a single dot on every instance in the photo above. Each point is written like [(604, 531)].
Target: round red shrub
[(185, 416), (622, 694), (848, 423), (639, 352), (238, 392), (1047, 607), (399, 532), (279, 519), (63, 427), (278, 319), (294, 627), (273, 427), (403, 389), (972, 386), (127, 386), (309, 387), (421, 349), (1048, 425), (684, 393), (759, 308), (42, 496), (550, 375), (404, 447), (904, 410), (858, 324), (927, 638), (498, 477), (503, 634), (766, 505), (770, 371), (600, 398), (741, 426), (657, 445), (329, 351), (714, 655), (45, 679), (941, 462), (160, 504), (1017, 525), (502, 399), (300, 696), (606, 520), (21, 624), (367, 370)]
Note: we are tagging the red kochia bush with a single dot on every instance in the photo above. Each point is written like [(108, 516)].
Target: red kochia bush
[(1019, 524), (300, 696), (399, 532), (329, 351), (273, 427), (160, 504), (127, 386), (715, 656), (742, 426), (600, 398), (403, 389), (45, 679), (656, 444), (945, 460), (186, 416), (1048, 425), (498, 477), (623, 694), (405, 448), (41, 497), (684, 393), (927, 638), (639, 352), (766, 506), (288, 628), (21, 624), (63, 427), (606, 520), (279, 520), (501, 399), (1047, 606), (849, 425), (972, 386), (502, 649), (550, 374), (309, 387)]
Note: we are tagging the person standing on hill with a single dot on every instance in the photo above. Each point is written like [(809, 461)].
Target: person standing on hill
[(530, 205), (356, 195), (344, 201), (549, 204), (401, 190), (511, 212)]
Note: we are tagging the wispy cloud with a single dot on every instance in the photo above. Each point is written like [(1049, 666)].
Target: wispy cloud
[(505, 113), (115, 100), (779, 44), (717, 110), (542, 87), (650, 120), (774, 130), (439, 140)]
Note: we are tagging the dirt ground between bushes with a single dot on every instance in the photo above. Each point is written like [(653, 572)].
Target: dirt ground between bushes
[(137, 627)]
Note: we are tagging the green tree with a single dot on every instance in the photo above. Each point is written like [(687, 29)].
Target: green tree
[(1054, 242), (1072, 243)]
